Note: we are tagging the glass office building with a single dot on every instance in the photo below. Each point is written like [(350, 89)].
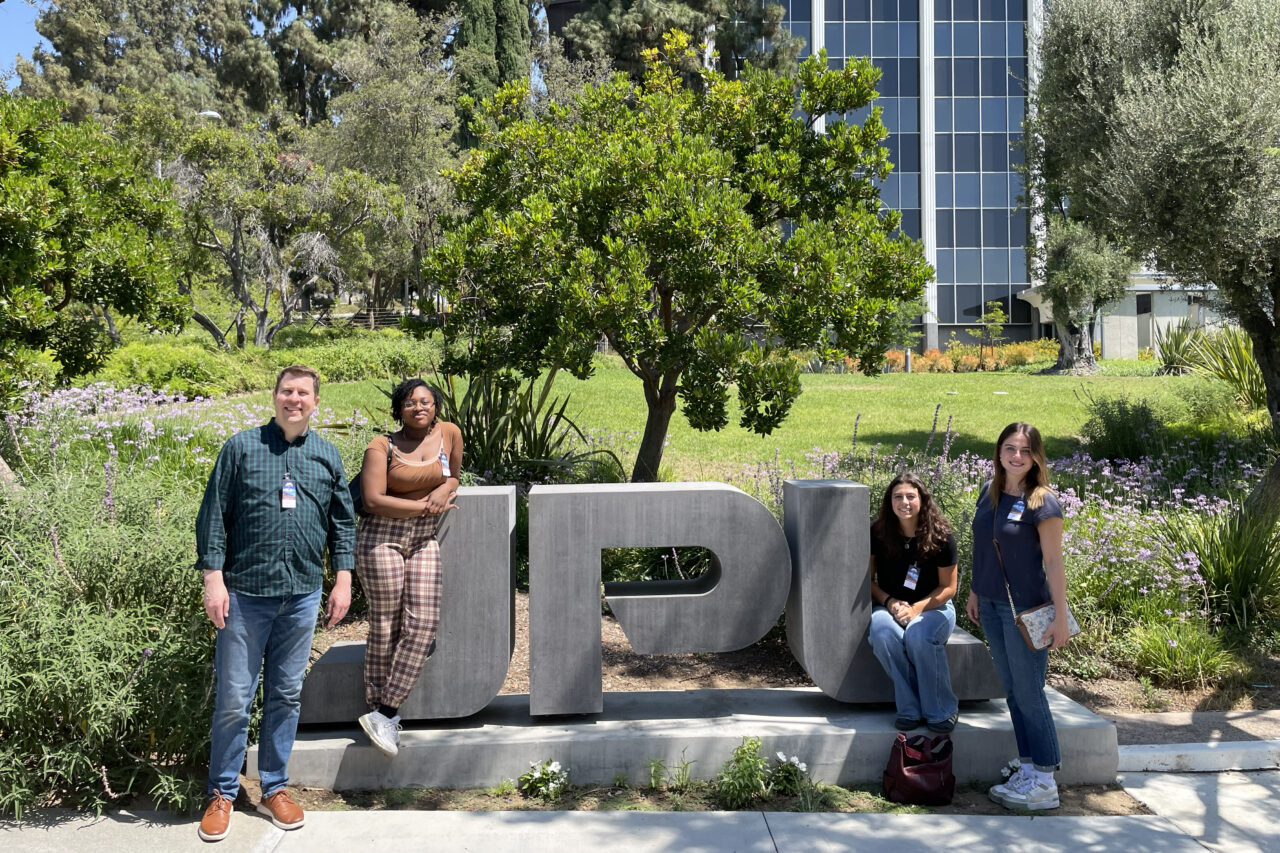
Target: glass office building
[(953, 96)]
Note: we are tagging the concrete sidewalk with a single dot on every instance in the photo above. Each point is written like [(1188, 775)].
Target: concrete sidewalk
[(1231, 811), (641, 832)]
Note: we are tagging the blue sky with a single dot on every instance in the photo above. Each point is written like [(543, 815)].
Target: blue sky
[(17, 33)]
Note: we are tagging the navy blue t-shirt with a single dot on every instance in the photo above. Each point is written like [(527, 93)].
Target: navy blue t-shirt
[(1019, 545)]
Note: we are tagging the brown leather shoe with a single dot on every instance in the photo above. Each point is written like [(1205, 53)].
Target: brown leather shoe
[(283, 811), (217, 819)]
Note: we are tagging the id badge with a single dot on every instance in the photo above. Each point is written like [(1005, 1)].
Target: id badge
[(912, 578), (1015, 514), (288, 493), (444, 463)]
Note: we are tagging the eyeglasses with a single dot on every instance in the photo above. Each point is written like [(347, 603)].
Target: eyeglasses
[(419, 404)]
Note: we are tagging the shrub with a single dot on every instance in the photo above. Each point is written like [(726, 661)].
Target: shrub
[(184, 367), (1237, 554), (514, 433), (1121, 428), (1175, 344), (1016, 355), (967, 363), (1180, 654), (545, 781), (743, 779), (788, 776), (1227, 354), (361, 355), (896, 360), (105, 652)]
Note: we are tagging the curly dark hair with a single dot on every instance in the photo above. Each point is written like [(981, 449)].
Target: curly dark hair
[(404, 391), (932, 527)]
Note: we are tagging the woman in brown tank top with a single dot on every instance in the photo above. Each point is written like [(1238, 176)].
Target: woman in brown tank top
[(406, 487)]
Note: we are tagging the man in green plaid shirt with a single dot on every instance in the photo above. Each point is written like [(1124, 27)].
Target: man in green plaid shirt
[(276, 499)]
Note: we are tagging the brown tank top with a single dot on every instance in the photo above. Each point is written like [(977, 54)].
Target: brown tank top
[(413, 479)]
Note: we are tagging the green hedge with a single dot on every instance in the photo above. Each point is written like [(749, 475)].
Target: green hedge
[(184, 366)]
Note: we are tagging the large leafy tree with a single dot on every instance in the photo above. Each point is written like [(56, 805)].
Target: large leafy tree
[(702, 231), (197, 55), (396, 122), (236, 57), (260, 216), (1083, 274), (741, 32), (82, 230), (1160, 122)]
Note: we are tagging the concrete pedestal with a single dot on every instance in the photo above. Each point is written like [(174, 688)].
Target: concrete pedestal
[(840, 743)]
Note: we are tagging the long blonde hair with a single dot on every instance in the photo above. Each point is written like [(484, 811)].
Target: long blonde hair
[(1037, 479)]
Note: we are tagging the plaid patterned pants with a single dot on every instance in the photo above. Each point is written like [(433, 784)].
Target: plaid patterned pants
[(398, 561)]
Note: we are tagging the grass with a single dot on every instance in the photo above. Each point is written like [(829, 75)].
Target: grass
[(895, 408)]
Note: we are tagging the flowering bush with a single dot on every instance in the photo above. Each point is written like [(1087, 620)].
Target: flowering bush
[(788, 776), (105, 651), (1146, 541), (545, 781)]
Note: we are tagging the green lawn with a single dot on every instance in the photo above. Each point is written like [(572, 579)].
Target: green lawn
[(895, 408)]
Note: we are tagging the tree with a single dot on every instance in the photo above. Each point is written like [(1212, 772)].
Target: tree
[(258, 214), (992, 322), (491, 45), (1160, 122), (1083, 275), (82, 229), (236, 57), (702, 231), (396, 123), (741, 32), (196, 55)]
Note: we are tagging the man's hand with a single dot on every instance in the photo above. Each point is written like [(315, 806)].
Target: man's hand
[(339, 599), (217, 604)]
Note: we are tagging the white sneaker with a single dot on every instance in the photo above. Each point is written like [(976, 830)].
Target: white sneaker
[(997, 793), (383, 733), (1032, 792)]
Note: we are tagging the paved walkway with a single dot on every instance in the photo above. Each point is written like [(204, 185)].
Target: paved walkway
[(1229, 811), (1232, 812)]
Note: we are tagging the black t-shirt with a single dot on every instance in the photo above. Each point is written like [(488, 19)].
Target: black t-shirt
[(891, 571)]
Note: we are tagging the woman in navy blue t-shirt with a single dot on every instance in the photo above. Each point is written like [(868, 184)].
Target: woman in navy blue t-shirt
[(1018, 509), (913, 582)]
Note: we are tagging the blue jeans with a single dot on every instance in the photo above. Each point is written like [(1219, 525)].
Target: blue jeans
[(916, 660), (271, 634), (1022, 672)]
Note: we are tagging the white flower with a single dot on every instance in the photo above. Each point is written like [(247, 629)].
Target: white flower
[(782, 756), (555, 767), (803, 767), (795, 759)]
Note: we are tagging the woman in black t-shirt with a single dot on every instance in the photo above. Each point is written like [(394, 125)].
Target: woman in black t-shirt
[(913, 579)]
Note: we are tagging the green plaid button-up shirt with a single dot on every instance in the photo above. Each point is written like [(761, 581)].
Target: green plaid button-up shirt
[(243, 529)]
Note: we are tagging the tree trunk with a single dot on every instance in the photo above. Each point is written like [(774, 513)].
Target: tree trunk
[(1264, 500), (1075, 347), (662, 405), (219, 339), (260, 329), (112, 331)]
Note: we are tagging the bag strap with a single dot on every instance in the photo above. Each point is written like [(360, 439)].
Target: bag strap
[(995, 541)]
